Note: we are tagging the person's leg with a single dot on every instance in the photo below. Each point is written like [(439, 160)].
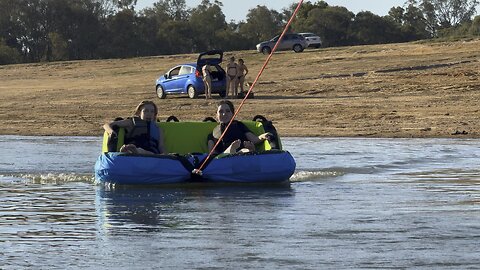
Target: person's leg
[(129, 148), (207, 90), (209, 82), (124, 148), (205, 85), (232, 149), (143, 151), (241, 81), (249, 145), (234, 88), (227, 93)]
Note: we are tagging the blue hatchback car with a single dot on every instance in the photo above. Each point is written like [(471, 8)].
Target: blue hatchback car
[(187, 78)]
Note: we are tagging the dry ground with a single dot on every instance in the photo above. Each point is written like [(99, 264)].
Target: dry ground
[(396, 90)]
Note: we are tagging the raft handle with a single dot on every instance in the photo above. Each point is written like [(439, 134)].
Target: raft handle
[(209, 119), (172, 118)]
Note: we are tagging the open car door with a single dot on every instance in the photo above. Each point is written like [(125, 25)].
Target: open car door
[(211, 57)]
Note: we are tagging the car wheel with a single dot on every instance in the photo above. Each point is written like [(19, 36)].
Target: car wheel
[(297, 48), (192, 92), (222, 94), (266, 50), (160, 92)]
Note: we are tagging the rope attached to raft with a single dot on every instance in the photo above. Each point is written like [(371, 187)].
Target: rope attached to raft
[(205, 161)]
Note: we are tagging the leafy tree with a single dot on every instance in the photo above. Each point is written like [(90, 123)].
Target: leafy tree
[(126, 4), (475, 27), (430, 16), (397, 14), (454, 12), (124, 38), (175, 9), (83, 42), (36, 24), (32, 24), (106, 7), (331, 23), (414, 24), (368, 28), (441, 14), (157, 13), (50, 30), (8, 55), (232, 39), (167, 27), (262, 24), (73, 21), (206, 20), (10, 23), (57, 47), (175, 37), (299, 24)]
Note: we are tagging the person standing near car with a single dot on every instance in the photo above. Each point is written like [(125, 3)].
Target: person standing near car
[(207, 81), (242, 72), (232, 74)]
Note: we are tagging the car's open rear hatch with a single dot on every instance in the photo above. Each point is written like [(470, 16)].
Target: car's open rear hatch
[(211, 57)]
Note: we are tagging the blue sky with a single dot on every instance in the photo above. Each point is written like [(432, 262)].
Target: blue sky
[(238, 9)]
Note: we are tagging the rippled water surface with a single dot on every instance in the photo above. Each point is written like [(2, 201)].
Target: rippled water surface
[(352, 203)]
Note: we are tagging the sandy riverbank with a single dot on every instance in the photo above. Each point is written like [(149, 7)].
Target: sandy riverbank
[(396, 90)]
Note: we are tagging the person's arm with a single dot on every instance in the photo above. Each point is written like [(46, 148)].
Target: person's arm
[(119, 123), (257, 139), (252, 137), (210, 144), (246, 70)]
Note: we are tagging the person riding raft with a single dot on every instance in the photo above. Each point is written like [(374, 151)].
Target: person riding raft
[(238, 137), (143, 136)]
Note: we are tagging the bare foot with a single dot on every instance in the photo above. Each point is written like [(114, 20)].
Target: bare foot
[(234, 146), (129, 148)]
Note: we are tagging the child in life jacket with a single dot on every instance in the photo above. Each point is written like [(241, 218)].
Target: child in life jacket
[(143, 135), (238, 137)]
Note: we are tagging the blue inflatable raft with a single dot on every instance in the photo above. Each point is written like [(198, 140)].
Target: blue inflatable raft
[(188, 143)]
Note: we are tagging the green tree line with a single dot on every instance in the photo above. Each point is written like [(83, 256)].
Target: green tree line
[(52, 30)]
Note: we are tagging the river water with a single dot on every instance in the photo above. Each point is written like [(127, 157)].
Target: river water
[(352, 203)]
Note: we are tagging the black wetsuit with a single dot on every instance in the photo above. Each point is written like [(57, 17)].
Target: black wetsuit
[(236, 131)]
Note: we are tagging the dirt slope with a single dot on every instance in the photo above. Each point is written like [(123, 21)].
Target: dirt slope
[(396, 90)]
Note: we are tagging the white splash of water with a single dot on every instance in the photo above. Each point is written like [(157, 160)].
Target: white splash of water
[(302, 176), (52, 178)]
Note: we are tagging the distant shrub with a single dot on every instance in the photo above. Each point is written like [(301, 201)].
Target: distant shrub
[(464, 30), (475, 27), (58, 48), (8, 55)]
